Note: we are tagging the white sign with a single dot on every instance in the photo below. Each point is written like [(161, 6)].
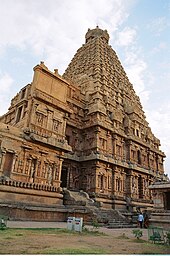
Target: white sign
[(78, 224), (70, 223)]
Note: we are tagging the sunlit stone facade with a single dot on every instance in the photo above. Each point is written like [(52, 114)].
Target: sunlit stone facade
[(85, 130)]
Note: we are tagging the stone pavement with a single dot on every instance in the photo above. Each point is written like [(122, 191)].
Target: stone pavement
[(40, 224)]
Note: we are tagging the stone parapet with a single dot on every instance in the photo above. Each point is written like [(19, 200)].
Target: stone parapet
[(24, 193)]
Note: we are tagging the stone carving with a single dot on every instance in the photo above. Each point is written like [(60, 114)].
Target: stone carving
[(76, 125)]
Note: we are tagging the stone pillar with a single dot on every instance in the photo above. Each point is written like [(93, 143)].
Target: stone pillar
[(49, 120), (14, 161), (148, 158), (97, 141), (1, 155), (35, 172), (97, 185), (123, 181), (54, 171), (114, 144), (114, 180), (24, 159), (2, 162), (29, 167), (108, 143), (46, 169), (60, 168), (129, 184), (41, 165), (50, 174), (128, 148)]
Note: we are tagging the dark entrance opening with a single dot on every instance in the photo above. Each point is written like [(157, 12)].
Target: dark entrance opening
[(167, 201), (8, 163), (64, 177), (139, 156)]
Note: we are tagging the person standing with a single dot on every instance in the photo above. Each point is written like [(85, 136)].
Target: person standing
[(146, 219), (140, 219)]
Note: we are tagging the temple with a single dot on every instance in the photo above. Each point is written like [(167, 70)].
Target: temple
[(84, 131)]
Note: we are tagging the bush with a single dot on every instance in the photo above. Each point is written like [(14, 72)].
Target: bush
[(168, 237), (137, 233), (95, 224)]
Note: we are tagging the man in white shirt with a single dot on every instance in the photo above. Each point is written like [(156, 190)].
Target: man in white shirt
[(140, 219)]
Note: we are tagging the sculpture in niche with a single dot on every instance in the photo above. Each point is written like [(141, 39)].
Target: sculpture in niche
[(134, 185), (49, 175), (41, 119), (56, 169), (56, 125)]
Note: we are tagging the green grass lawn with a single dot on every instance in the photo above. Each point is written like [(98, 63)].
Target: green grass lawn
[(62, 241)]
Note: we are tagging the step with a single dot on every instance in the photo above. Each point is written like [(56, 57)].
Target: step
[(122, 226)]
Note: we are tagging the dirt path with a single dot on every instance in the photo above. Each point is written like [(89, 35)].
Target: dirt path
[(37, 224), (112, 241)]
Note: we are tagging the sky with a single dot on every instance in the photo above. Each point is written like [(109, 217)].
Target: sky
[(52, 31)]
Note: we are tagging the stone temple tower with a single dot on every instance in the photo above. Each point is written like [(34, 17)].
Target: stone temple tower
[(85, 130), (118, 154)]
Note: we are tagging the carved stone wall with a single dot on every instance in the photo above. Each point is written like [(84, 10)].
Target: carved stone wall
[(85, 130)]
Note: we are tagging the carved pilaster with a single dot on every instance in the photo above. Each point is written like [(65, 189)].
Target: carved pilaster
[(60, 168), (148, 158), (114, 138), (49, 120), (2, 160), (128, 150), (13, 164)]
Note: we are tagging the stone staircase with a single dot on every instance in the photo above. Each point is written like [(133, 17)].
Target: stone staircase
[(80, 201), (113, 219)]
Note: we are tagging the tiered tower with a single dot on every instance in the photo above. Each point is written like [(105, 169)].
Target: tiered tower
[(118, 154), (85, 130)]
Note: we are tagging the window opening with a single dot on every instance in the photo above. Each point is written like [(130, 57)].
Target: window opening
[(139, 156), (19, 114)]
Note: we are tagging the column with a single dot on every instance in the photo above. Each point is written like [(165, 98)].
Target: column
[(49, 120), (114, 144), (24, 159), (13, 164), (2, 162), (60, 168), (148, 158)]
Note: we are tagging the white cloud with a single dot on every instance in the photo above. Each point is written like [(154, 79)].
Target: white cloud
[(52, 28), (161, 46), (136, 74), (158, 25), (6, 83), (134, 63), (136, 69), (160, 122), (126, 37)]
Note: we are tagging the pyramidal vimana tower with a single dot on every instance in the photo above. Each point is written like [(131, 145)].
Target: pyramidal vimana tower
[(83, 131)]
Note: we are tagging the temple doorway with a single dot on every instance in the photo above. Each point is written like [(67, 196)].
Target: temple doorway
[(64, 177), (167, 201), (8, 164)]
